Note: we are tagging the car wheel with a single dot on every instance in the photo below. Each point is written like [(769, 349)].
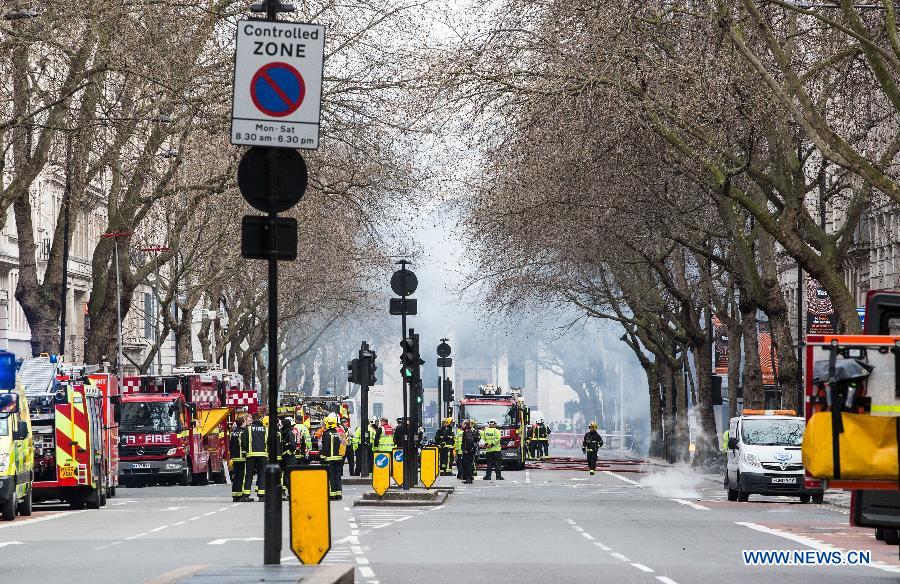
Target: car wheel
[(112, 492), (185, 479), (8, 510), (805, 499), (92, 501), (891, 536), (879, 533), (732, 494), (742, 496), (818, 498), (24, 508)]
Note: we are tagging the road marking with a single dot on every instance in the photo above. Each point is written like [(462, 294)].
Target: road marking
[(354, 526), (223, 541), (362, 561), (210, 513), (6, 543), (605, 548), (20, 523), (352, 539), (813, 543), (619, 556), (179, 523), (666, 580), (136, 536), (642, 567), (691, 504), (160, 528), (356, 549), (587, 535), (570, 522), (109, 545), (366, 572), (527, 478), (172, 508), (194, 518), (177, 574), (222, 509), (621, 478), (578, 528)]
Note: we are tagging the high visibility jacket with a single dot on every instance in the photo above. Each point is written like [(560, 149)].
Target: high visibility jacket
[(234, 444), (254, 440), (542, 432), (592, 441), (355, 438), (374, 435), (725, 440), (304, 439), (288, 441), (457, 440), (386, 442), (491, 438), (331, 446), (444, 437)]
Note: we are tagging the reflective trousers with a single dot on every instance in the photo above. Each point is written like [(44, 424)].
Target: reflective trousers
[(592, 459), (237, 477), (334, 477), (254, 467), (446, 458), (350, 457), (494, 461)]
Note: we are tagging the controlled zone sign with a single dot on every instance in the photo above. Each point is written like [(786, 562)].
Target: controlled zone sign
[(429, 466), (310, 513), (397, 466), (381, 473), (277, 84)]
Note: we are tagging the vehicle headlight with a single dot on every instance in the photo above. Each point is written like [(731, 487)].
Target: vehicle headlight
[(172, 452), (751, 459), (4, 462)]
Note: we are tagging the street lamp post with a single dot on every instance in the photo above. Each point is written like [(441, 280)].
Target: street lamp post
[(115, 235), (157, 249)]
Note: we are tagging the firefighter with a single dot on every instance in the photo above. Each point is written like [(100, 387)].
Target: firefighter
[(238, 460), (304, 441), (254, 445), (330, 454), (288, 455), (444, 440), (543, 439), (457, 447), (491, 437), (352, 446), (477, 435), (469, 447), (591, 444)]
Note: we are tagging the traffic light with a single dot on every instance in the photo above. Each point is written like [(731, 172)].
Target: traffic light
[(410, 360), (354, 374), (419, 393), (448, 390), (371, 368)]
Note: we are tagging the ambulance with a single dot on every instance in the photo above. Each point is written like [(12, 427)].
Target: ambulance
[(765, 457), (16, 447)]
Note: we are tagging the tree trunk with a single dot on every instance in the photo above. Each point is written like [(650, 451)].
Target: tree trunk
[(707, 442), (682, 433), (735, 334), (656, 434), (754, 395), (664, 373)]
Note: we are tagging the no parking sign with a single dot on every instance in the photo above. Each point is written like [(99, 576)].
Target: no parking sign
[(277, 84)]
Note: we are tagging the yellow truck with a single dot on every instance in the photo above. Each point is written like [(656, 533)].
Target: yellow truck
[(16, 455)]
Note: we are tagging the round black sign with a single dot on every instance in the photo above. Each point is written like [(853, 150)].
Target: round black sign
[(404, 282), (443, 350), (290, 178)]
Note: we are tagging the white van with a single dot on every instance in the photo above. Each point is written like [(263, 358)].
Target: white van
[(764, 456)]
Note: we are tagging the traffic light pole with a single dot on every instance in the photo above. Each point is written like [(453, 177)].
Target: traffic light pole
[(364, 414)]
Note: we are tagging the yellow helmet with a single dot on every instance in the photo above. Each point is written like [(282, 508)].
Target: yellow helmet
[(448, 421), (593, 426), (330, 422)]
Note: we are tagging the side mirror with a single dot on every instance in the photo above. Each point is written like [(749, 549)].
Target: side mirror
[(21, 431), (732, 443), (9, 403)]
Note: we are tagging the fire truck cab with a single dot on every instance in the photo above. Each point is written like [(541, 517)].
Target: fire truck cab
[(512, 416)]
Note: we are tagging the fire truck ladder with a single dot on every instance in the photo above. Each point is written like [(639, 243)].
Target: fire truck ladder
[(37, 376)]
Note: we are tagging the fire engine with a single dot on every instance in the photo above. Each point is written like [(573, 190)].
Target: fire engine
[(313, 409), (852, 408), (174, 428), (511, 414), (72, 461)]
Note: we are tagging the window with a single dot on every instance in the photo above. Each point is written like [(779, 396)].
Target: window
[(148, 315), (378, 410), (150, 417), (781, 432)]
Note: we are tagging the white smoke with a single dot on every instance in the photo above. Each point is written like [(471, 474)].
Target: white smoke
[(678, 482)]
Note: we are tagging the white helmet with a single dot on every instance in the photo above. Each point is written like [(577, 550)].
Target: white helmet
[(289, 420), (374, 419), (492, 421), (540, 420)]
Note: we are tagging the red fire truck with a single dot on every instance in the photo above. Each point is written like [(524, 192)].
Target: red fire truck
[(72, 460), (174, 428), (512, 417)]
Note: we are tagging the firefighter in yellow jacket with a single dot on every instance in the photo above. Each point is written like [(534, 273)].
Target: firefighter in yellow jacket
[(331, 456)]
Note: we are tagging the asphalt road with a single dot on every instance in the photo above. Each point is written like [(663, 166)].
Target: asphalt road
[(544, 526)]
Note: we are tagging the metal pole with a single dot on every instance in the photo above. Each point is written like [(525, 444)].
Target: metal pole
[(272, 518), (800, 393), (67, 195), (118, 307), (622, 404), (156, 323), (406, 385), (364, 414)]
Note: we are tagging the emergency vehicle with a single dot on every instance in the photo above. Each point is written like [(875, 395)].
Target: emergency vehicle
[(71, 461), (764, 458), (853, 412), (312, 411), (174, 428), (16, 453), (511, 414)]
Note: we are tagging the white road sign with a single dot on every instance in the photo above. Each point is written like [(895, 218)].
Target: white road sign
[(277, 84)]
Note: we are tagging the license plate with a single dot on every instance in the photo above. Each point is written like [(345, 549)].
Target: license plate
[(788, 480), (67, 472), (138, 465)]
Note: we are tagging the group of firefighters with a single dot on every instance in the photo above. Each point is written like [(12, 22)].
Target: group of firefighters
[(339, 444)]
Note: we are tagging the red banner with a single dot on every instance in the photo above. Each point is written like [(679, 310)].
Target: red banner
[(720, 347)]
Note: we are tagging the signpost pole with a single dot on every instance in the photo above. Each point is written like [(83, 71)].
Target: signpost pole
[(405, 444), (364, 413)]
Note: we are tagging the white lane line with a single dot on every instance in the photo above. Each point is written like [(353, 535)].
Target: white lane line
[(354, 526), (587, 535), (160, 528), (352, 539), (136, 536), (362, 561), (605, 548), (179, 523), (621, 478), (21, 523), (570, 522), (356, 549), (666, 580), (527, 478), (642, 567), (578, 528), (6, 543), (224, 509), (691, 504), (210, 513), (366, 572), (619, 556), (223, 541), (813, 543), (195, 518)]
